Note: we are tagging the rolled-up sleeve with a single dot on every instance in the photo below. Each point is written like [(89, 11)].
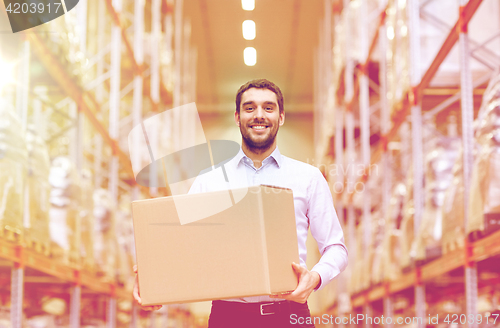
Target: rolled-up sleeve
[(326, 230)]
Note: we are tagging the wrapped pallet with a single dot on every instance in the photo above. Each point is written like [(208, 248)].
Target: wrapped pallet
[(484, 201), (438, 178), (453, 214), (105, 243), (87, 221), (37, 232), (13, 167), (376, 249), (391, 249), (125, 239), (406, 240), (356, 282), (65, 199)]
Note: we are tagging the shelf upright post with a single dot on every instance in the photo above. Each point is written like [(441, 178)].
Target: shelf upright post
[(16, 295), (134, 321), (155, 52), (17, 274), (349, 126), (413, 8), (22, 88), (114, 101), (99, 92), (77, 157), (111, 317), (364, 117), (386, 156), (114, 118), (177, 95), (81, 12), (186, 62), (138, 89), (75, 301), (467, 107), (338, 186), (155, 85), (185, 133)]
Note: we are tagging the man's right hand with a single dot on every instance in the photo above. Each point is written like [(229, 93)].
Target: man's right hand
[(137, 296)]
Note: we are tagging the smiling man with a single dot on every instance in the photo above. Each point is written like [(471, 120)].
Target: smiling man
[(259, 114)]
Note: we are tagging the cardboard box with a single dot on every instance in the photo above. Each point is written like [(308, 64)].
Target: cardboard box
[(242, 243)]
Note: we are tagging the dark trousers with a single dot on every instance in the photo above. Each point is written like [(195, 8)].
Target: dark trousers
[(227, 314)]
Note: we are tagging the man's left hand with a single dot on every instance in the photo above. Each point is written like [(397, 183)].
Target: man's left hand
[(308, 280)]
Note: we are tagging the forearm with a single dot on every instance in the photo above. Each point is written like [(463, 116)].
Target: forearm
[(332, 263)]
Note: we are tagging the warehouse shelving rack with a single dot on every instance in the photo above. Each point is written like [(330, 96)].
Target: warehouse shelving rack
[(92, 104), (350, 85)]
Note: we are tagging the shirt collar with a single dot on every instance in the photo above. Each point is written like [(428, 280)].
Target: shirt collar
[(276, 155)]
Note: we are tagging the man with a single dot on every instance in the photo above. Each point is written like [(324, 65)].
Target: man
[(259, 114)]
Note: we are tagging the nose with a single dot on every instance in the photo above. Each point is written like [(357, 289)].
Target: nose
[(259, 113)]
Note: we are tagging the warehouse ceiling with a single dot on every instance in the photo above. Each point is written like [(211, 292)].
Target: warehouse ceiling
[(286, 38)]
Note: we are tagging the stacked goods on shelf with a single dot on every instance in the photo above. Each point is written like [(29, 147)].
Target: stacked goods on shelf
[(125, 240), (65, 200), (355, 279), (398, 55), (358, 280), (484, 201), (375, 269), (391, 251), (13, 164), (105, 243), (453, 214), (407, 227), (65, 45), (438, 178), (87, 221), (37, 234)]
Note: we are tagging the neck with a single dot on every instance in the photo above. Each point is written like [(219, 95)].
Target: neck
[(257, 155)]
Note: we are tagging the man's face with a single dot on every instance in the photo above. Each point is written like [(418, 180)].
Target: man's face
[(259, 118)]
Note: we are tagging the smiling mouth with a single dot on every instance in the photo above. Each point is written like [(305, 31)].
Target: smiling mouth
[(259, 127)]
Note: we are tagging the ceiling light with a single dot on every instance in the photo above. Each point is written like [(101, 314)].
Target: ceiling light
[(248, 4), (7, 75), (390, 32), (249, 30), (250, 56)]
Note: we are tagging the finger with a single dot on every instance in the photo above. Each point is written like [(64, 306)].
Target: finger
[(135, 292), (136, 296), (298, 268)]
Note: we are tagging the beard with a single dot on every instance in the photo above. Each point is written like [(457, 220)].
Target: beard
[(258, 144)]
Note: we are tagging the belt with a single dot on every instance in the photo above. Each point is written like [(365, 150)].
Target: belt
[(262, 308)]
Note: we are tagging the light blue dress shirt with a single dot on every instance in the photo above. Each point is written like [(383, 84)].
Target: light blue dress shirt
[(312, 200)]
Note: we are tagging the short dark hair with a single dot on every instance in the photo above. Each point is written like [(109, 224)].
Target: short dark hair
[(260, 84)]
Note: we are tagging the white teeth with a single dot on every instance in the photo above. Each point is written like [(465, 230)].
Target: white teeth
[(258, 127)]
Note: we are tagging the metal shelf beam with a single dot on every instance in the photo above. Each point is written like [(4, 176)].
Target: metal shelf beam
[(479, 250), (28, 258)]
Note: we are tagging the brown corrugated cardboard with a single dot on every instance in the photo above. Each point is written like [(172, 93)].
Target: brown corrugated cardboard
[(243, 250)]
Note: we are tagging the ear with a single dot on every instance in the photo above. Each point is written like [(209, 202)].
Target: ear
[(237, 118), (282, 118)]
